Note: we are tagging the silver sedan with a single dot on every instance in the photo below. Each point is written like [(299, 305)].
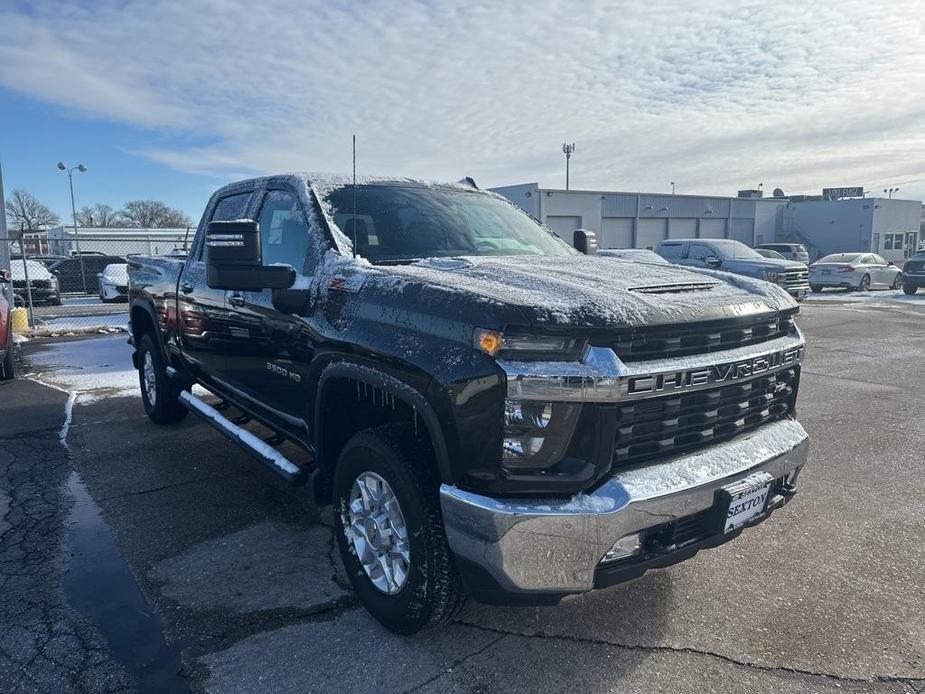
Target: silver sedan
[(860, 271)]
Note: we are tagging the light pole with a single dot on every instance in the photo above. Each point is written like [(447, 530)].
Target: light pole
[(672, 187), (567, 151), (890, 191), (70, 180)]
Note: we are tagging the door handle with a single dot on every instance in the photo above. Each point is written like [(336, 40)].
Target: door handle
[(186, 287), (235, 299)]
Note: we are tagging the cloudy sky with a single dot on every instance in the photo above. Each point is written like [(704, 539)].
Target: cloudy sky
[(170, 98)]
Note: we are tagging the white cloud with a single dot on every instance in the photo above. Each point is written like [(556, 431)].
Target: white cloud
[(713, 96)]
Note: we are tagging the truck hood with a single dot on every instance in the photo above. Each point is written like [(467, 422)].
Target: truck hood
[(577, 291)]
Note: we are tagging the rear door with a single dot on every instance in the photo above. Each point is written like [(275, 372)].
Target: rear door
[(883, 271), (270, 365), (202, 320)]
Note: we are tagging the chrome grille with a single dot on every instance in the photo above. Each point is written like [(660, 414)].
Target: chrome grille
[(794, 279), (648, 429)]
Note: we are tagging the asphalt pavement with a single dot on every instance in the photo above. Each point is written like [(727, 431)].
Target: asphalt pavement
[(237, 579)]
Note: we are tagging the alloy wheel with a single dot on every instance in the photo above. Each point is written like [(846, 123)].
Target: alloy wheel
[(375, 526), (150, 379)]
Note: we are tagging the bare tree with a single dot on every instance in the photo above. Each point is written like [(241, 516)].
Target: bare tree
[(26, 212), (100, 215), (151, 214)]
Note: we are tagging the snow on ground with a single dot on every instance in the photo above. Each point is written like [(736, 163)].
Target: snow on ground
[(92, 367), (869, 298)]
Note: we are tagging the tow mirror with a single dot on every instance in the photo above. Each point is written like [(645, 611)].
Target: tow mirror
[(234, 260), (585, 241), (712, 261)]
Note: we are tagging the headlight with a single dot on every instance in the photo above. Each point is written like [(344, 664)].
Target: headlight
[(522, 347), (770, 276), (536, 434)]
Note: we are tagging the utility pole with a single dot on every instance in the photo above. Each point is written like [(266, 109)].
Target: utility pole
[(70, 179), (6, 288), (567, 150)]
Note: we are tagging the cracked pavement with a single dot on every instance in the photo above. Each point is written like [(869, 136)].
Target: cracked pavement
[(826, 596)]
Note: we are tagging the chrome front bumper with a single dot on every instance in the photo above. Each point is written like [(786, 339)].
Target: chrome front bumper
[(543, 546)]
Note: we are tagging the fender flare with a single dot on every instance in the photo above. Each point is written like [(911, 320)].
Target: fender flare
[(159, 338), (395, 387)]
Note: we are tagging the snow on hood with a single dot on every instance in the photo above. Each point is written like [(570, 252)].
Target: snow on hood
[(575, 290)]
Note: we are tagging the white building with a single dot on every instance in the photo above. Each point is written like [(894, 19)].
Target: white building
[(889, 227), (62, 240)]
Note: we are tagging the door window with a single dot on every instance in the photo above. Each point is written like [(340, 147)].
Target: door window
[(230, 208), (698, 251), (671, 251), (285, 237)]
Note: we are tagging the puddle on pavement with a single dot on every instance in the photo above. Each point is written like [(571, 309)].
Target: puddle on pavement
[(100, 585)]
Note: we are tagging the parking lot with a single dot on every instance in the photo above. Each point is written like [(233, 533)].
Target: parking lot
[(163, 558)]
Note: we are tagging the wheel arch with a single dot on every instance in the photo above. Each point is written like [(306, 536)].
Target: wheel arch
[(347, 391)]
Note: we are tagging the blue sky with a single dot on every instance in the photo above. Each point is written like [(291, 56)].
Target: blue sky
[(169, 99)]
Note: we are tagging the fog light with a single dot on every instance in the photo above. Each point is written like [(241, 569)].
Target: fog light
[(626, 546)]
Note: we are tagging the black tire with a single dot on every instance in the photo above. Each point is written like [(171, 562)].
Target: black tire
[(864, 286), (910, 289), (898, 282), (8, 366), (432, 593), (166, 407), (815, 288)]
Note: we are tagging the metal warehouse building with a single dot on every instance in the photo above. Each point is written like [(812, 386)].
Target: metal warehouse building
[(641, 220)]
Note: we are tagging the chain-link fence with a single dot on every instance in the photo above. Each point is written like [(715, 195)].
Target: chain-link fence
[(79, 282)]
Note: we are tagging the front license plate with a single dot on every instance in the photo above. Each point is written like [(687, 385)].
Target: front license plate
[(747, 499)]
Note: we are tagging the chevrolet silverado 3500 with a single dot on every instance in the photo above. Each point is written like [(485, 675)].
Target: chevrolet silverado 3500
[(489, 412)]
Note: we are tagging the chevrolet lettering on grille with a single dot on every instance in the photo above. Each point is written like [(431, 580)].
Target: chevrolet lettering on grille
[(714, 374)]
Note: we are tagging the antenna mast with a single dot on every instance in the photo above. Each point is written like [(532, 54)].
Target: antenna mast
[(354, 195)]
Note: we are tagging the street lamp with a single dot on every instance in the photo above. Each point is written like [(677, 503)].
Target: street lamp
[(890, 191), (567, 151), (70, 179)]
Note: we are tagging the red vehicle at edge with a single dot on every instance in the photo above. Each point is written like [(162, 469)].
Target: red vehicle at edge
[(6, 331)]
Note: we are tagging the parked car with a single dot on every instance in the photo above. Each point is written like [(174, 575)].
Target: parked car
[(490, 413), (768, 253), (734, 256), (914, 273), (73, 279), (642, 255), (7, 367), (44, 285), (860, 271), (113, 283), (790, 251)]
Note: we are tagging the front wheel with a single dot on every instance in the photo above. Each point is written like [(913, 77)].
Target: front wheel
[(864, 286), (390, 531), (159, 395), (910, 289)]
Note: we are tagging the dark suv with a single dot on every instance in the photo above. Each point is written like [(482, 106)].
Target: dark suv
[(914, 273), (70, 277)]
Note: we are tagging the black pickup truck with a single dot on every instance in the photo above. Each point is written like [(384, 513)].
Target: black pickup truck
[(490, 412)]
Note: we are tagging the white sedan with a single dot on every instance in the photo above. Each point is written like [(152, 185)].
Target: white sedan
[(114, 283), (860, 271)]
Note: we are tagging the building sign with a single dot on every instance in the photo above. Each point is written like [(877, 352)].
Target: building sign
[(849, 192)]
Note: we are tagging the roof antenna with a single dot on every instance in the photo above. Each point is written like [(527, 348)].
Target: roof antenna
[(354, 195)]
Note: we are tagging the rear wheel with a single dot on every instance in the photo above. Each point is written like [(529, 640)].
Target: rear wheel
[(390, 531), (159, 395), (910, 289), (898, 282), (864, 286)]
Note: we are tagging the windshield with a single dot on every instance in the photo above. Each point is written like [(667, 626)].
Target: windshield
[(36, 270), (395, 223), (730, 249), (841, 258)]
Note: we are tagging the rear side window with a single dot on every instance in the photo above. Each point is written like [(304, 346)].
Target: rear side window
[(671, 251)]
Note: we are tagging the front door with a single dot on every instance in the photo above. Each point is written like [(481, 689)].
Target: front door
[(269, 363), (202, 318)]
